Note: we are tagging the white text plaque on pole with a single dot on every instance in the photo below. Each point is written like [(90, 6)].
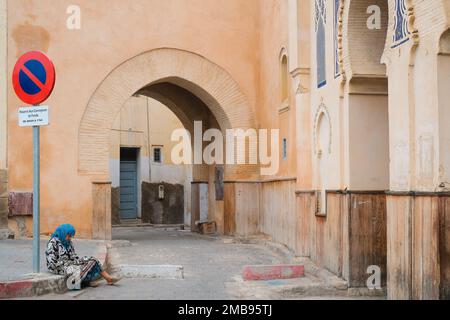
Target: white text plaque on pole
[(34, 116)]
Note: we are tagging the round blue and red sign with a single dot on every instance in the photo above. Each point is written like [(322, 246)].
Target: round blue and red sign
[(34, 77)]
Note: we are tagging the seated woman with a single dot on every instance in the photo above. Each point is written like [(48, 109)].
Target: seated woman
[(62, 259)]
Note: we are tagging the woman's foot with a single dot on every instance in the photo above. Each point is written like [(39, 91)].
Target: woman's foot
[(113, 280), (94, 284)]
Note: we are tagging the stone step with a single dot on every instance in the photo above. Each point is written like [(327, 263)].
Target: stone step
[(169, 272)]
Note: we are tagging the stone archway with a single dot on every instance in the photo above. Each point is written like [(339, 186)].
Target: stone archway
[(207, 81), (363, 44)]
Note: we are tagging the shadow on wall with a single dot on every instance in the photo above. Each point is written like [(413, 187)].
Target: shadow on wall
[(157, 208), (162, 203)]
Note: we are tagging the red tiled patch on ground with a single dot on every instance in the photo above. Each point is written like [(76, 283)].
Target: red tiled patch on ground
[(273, 272)]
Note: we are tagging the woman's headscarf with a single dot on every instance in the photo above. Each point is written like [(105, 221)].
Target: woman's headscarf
[(62, 232)]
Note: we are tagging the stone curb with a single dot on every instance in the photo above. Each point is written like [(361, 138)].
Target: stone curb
[(41, 284), (168, 272)]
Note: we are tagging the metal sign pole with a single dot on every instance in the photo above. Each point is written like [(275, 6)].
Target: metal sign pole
[(36, 199)]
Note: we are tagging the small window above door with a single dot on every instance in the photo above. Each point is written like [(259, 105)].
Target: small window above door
[(157, 155)]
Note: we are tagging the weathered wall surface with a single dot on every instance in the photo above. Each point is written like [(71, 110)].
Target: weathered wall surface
[(3, 200), (169, 210), (199, 204), (278, 216), (444, 246), (327, 235), (417, 108), (101, 211), (368, 142), (349, 239), (274, 112), (115, 206), (247, 213), (414, 251), (322, 238), (366, 237), (413, 90)]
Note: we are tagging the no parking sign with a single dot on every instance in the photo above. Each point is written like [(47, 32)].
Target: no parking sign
[(34, 77)]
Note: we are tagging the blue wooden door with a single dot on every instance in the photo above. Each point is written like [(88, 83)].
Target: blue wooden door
[(128, 190)]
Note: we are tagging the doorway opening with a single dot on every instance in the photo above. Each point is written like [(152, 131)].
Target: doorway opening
[(182, 82), (140, 155)]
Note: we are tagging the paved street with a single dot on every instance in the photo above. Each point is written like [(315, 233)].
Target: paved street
[(212, 266)]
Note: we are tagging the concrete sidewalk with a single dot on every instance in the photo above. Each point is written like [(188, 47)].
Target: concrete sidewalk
[(16, 267)]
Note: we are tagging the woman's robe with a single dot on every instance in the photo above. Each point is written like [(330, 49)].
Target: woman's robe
[(64, 261)]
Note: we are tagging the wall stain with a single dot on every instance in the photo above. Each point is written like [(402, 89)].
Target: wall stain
[(30, 37)]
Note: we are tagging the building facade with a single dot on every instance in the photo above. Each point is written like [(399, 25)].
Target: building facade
[(357, 89)]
